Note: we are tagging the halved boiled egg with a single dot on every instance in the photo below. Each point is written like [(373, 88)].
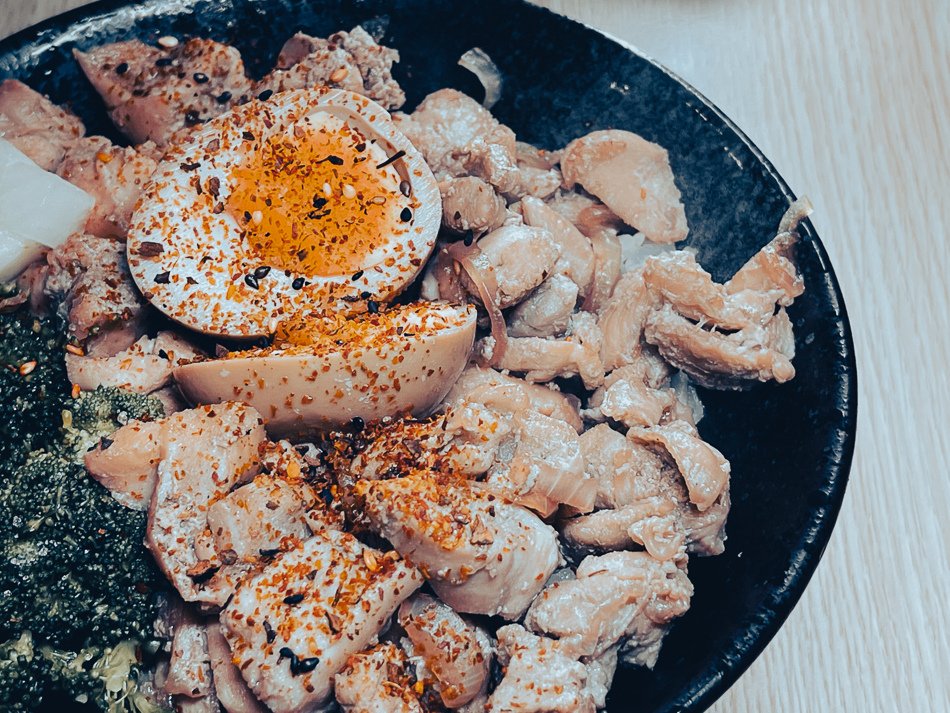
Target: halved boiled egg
[(303, 200), (325, 369)]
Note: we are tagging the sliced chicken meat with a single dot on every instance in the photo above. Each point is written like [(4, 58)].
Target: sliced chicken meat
[(509, 394), (189, 671), (724, 361), (229, 686), (471, 204), (587, 214), (153, 93), (377, 681), (127, 462), (90, 278), (608, 259), (626, 398), (207, 451), (293, 626), (542, 360), (457, 654), (617, 597), (144, 367), (36, 126), (539, 677), (113, 175), (576, 259), (546, 312), (653, 523), (347, 60), (443, 126), (632, 176), (481, 554), (621, 320)]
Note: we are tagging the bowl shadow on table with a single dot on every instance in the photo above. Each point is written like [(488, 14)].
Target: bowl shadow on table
[(790, 445)]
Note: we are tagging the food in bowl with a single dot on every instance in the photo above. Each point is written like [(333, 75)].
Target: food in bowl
[(402, 408)]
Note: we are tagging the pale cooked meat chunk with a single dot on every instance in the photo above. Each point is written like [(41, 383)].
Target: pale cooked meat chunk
[(546, 312), (772, 271), (229, 687), (471, 204), (653, 523), (621, 321), (207, 451), (587, 214), (347, 60), (576, 259), (153, 93), (445, 123), (189, 670), (519, 258), (114, 175), (128, 464), (542, 360), (293, 626), (509, 394), (608, 260), (618, 597), (539, 677), (144, 367), (91, 278), (36, 126), (205, 704), (704, 469), (632, 176), (723, 361), (600, 676), (457, 653), (625, 397), (481, 554), (377, 681)]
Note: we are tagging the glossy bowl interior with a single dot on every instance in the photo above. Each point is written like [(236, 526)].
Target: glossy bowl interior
[(790, 445)]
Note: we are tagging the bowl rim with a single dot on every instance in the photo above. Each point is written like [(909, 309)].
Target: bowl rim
[(749, 641)]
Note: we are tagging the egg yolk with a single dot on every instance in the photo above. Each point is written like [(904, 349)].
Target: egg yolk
[(318, 200)]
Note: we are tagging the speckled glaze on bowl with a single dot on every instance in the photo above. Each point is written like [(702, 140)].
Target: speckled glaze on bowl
[(790, 445)]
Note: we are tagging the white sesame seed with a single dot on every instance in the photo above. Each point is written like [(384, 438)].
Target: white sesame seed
[(168, 42), (327, 191), (348, 191), (257, 217)]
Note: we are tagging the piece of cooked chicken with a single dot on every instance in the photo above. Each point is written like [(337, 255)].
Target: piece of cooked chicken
[(481, 554), (293, 625), (377, 681), (35, 126)]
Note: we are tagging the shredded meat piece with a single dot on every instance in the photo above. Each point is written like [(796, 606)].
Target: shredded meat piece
[(229, 687), (36, 126), (546, 312), (293, 625), (576, 259), (481, 555), (91, 279), (617, 597), (189, 671), (376, 681), (545, 359), (113, 175), (470, 204), (539, 676), (621, 321), (625, 397), (162, 92), (128, 465), (347, 60), (608, 258), (587, 214), (633, 177)]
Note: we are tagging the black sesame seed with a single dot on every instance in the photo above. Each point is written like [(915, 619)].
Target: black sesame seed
[(406, 215), (405, 188), (365, 295), (373, 307), (163, 354), (163, 278), (261, 272), (269, 553), (251, 281), (104, 443), (163, 62), (293, 599), (191, 117), (265, 95), (319, 201), (201, 77), (361, 147), (357, 275), (335, 160), (286, 653), (247, 136), (357, 423), (122, 68), (269, 632), (304, 665), (223, 97), (395, 157), (298, 283)]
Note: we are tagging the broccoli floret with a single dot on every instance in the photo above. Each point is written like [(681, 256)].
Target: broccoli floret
[(74, 570), (25, 676), (33, 395), (96, 414)]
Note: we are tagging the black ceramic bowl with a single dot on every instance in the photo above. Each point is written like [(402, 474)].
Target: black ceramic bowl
[(790, 445)]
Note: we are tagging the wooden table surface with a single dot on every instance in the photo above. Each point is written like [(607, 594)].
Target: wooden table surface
[(850, 100)]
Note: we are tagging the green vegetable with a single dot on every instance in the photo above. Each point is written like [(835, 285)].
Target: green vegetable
[(78, 588), (30, 404)]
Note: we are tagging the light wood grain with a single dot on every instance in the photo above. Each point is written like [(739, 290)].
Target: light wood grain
[(850, 100)]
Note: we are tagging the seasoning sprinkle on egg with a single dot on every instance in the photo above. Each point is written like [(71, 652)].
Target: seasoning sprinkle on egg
[(284, 186)]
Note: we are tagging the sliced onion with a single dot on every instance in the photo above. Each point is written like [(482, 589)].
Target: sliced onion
[(796, 213), (480, 64), (468, 257)]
